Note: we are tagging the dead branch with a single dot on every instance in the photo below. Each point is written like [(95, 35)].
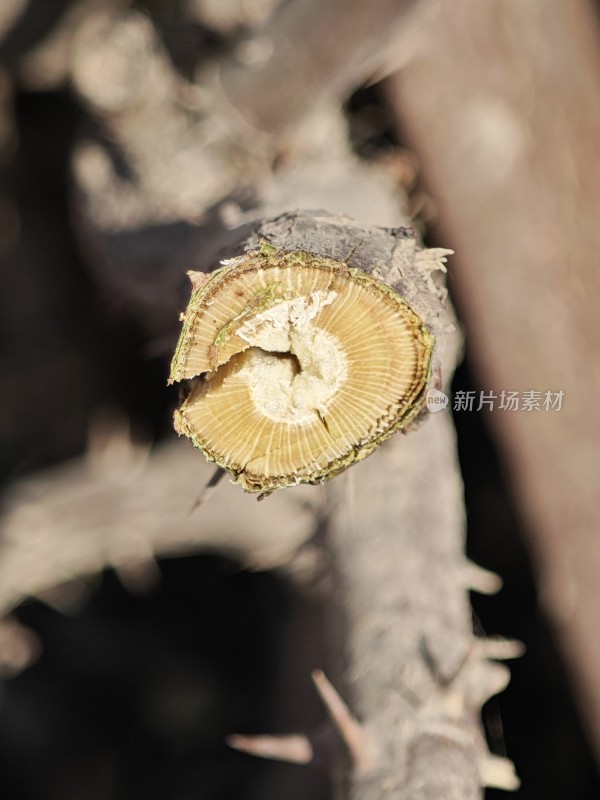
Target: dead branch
[(416, 675), (407, 541)]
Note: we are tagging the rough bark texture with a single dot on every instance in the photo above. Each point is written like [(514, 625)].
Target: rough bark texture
[(415, 674), (390, 254), (492, 101)]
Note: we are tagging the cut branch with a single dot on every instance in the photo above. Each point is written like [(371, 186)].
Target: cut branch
[(394, 523)]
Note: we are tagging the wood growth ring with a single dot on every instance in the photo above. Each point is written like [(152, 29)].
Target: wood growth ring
[(299, 366)]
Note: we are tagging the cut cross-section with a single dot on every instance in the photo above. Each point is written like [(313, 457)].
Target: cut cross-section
[(300, 366)]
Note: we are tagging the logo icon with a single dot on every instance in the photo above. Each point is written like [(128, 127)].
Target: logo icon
[(436, 400)]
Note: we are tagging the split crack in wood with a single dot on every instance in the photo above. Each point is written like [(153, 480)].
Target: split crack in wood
[(300, 365)]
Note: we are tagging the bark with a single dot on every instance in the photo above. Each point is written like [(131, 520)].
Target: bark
[(414, 670), (492, 102)]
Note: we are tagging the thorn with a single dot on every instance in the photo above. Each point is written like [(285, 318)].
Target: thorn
[(138, 576), (208, 490), (19, 647), (499, 773), (481, 580), (500, 649), (293, 748), (67, 597), (348, 727), (496, 680)]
